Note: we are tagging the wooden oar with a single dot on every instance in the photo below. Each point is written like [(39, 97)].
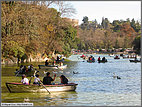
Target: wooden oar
[(44, 86), (30, 80), (40, 81), (17, 73)]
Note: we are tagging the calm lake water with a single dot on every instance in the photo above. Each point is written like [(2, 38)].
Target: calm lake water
[(96, 85)]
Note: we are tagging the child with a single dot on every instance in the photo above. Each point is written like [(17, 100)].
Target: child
[(36, 80), (25, 80)]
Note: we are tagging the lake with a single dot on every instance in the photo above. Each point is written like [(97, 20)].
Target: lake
[(96, 85)]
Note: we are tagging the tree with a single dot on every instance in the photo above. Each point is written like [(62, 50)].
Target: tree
[(85, 19), (137, 44)]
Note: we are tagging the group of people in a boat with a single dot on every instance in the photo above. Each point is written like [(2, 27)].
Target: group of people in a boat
[(91, 58), (46, 80), (23, 69), (116, 57), (103, 59)]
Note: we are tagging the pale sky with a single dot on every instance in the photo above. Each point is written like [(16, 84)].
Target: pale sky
[(113, 10)]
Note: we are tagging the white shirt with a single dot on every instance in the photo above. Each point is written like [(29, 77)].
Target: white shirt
[(25, 81), (29, 67), (36, 80)]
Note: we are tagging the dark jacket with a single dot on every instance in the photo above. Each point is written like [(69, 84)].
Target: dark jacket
[(65, 81), (47, 80)]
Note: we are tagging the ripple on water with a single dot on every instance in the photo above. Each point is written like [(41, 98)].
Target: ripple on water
[(96, 85)]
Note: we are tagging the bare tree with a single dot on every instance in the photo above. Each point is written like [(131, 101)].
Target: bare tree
[(66, 9)]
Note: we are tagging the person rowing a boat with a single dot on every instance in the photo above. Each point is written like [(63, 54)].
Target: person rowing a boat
[(99, 58), (24, 79), (36, 80), (103, 59), (47, 79)]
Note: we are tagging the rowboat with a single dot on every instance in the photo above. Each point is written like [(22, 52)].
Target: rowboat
[(48, 66), (62, 67), (111, 55), (22, 88), (116, 58), (128, 57), (52, 66), (101, 61), (135, 61), (90, 61)]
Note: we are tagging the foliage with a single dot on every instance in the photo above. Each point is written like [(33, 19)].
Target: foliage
[(118, 34), (31, 27), (137, 44)]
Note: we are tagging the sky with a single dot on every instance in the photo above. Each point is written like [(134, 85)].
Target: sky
[(113, 10)]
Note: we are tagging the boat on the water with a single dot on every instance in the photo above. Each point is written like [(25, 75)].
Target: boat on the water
[(62, 67), (52, 66), (124, 57), (112, 55), (90, 61), (48, 66), (116, 58), (135, 61), (33, 88), (102, 61)]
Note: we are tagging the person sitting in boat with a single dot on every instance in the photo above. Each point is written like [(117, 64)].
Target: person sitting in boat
[(23, 69), (24, 79), (135, 57), (64, 80), (46, 63), (54, 63), (116, 56), (61, 63), (30, 67), (93, 59), (90, 58), (47, 80), (16, 71), (99, 58), (103, 59), (21, 66), (58, 58), (36, 80)]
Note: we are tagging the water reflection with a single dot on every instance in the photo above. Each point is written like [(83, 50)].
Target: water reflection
[(53, 99)]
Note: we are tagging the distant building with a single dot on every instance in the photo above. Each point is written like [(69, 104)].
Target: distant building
[(74, 22)]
